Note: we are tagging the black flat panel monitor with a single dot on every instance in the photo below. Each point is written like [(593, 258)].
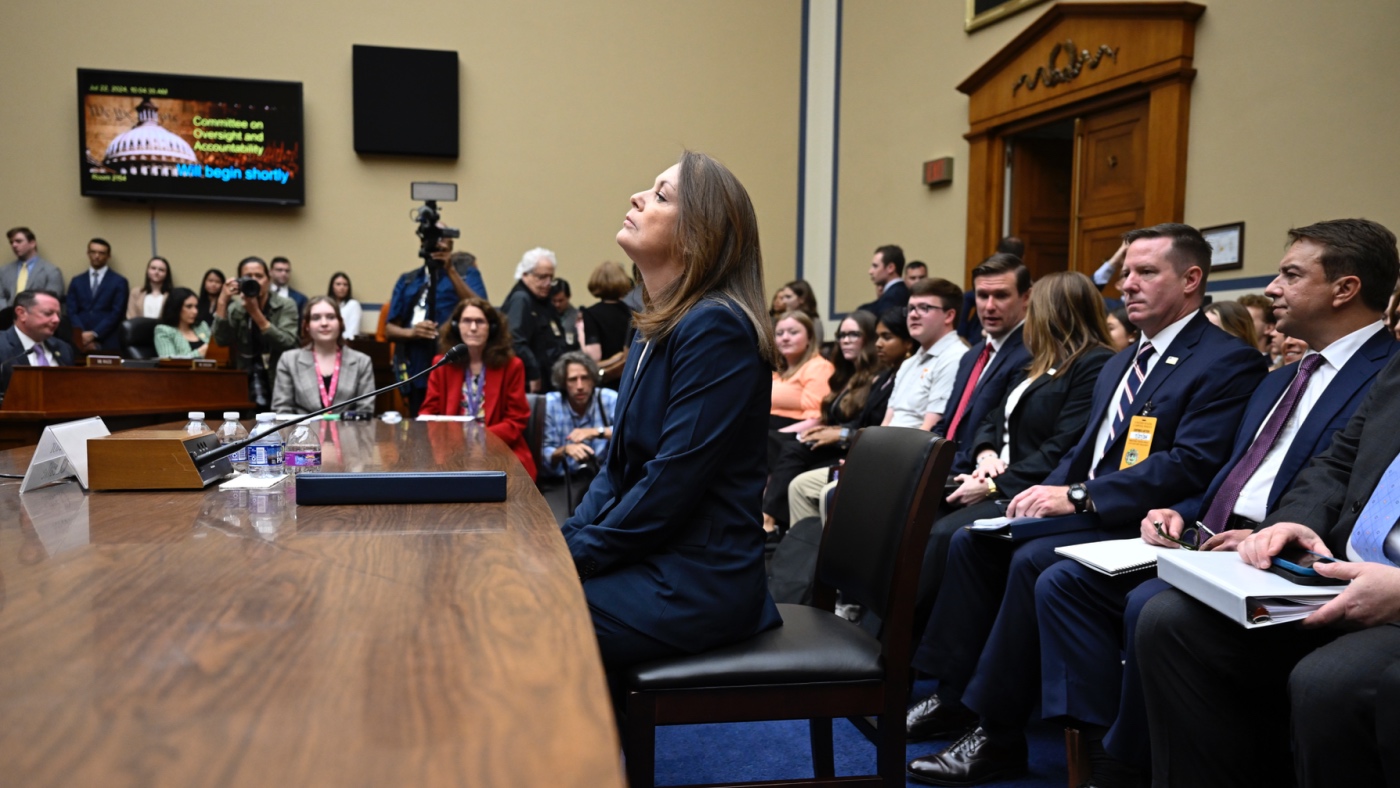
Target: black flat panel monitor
[(406, 101), (178, 137)]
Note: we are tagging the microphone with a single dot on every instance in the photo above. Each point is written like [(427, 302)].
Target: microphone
[(204, 459)]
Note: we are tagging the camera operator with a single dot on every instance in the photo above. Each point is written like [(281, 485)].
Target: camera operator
[(256, 325), (415, 311)]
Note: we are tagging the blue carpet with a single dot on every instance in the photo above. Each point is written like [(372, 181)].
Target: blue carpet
[(687, 754)]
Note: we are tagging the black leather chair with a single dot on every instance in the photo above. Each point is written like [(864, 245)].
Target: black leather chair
[(819, 666), (138, 337)]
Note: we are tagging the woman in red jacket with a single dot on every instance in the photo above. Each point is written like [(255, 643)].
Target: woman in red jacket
[(489, 385)]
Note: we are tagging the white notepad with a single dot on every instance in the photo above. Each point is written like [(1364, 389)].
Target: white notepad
[(1114, 557)]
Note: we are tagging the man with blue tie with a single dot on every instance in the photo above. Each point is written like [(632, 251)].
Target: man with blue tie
[(1330, 292), (97, 301), (1163, 415)]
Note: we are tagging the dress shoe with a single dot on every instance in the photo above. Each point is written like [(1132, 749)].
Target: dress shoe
[(932, 718), (975, 758)]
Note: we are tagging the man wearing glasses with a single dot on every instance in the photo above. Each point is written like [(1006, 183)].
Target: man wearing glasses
[(539, 338), (1162, 417), (1331, 291), (925, 379)]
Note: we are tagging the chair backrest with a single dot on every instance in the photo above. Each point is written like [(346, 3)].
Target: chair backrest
[(534, 433), (138, 337), (885, 504)]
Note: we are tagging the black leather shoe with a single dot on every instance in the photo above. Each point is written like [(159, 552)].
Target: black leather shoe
[(932, 718), (973, 759)]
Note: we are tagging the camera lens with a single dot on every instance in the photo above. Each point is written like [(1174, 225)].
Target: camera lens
[(249, 286)]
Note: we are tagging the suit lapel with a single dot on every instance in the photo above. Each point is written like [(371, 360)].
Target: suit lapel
[(1175, 356)]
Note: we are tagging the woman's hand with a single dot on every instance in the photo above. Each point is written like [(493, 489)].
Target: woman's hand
[(817, 437), (972, 491)]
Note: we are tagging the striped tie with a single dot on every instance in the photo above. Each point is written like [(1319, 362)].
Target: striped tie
[(1135, 378)]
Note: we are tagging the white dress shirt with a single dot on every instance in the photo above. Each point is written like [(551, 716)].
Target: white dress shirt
[(1161, 344)]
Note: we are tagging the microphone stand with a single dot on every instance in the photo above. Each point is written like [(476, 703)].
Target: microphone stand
[(204, 459)]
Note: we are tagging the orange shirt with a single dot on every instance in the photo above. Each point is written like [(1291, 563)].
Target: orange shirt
[(800, 396)]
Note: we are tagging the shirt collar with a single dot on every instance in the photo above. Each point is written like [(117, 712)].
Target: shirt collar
[(1340, 352), (1166, 336), (997, 343)]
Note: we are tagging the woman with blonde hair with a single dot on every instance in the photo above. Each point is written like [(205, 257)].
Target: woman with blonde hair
[(667, 541), (1234, 319)]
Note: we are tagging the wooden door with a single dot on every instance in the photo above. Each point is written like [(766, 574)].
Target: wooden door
[(1041, 197), (1111, 183)]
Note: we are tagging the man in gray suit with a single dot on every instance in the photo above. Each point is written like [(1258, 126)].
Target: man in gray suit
[(37, 273)]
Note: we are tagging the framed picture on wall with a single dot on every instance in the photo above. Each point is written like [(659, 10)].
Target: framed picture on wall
[(1226, 246), (981, 13)]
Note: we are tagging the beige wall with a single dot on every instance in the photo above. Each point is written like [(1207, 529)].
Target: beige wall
[(567, 108), (1293, 117)]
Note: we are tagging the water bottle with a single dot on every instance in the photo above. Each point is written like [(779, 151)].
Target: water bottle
[(303, 450), (265, 453), (196, 425), (231, 431)]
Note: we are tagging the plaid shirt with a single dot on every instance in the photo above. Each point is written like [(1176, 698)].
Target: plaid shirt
[(560, 420)]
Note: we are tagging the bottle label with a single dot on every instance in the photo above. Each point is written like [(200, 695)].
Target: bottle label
[(239, 456), (303, 459), (264, 455)]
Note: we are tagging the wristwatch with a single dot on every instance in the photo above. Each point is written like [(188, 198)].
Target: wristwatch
[(1079, 496), (991, 488)]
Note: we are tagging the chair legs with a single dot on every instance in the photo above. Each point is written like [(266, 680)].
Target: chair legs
[(823, 751), (639, 744), (890, 751)]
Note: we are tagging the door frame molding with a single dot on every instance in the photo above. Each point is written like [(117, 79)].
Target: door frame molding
[(1152, 47)]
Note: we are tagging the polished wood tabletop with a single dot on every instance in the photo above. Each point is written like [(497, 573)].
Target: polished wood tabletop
[(236, 639)]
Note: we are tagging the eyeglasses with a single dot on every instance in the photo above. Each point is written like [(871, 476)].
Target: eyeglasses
[(845, 335), (1190, 538), (471, 321), (541, 277), (923, 309)]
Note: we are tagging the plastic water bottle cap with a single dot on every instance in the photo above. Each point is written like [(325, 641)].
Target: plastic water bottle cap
[(230, 415), (269, 416), (196, 415)]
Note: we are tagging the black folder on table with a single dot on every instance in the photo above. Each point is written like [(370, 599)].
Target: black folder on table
[(1019, 529), (328, 489)]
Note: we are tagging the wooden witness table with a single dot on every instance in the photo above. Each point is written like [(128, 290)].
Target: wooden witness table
[(235, 639), (123, 396)]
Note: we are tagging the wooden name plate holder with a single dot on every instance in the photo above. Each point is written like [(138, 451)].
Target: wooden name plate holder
[(153, 460)]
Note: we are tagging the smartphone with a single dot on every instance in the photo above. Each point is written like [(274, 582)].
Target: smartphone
[(1296, 564)]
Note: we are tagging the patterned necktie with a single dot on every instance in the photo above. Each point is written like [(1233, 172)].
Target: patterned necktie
[(1378, 517), (1230, 489), (40, 360), (971, 386), (1136, 376)]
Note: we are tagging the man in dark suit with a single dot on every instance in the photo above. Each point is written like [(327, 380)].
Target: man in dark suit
[(1001, 285), (1162, 418), (886, 267), (1330, 292), (97, 301), (1220, 697), (30, 341), (281, 274)]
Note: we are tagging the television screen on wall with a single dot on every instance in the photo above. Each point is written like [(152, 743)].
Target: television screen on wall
[(173, 137)]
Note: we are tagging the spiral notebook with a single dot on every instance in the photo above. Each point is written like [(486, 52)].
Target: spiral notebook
[(1115, 556)]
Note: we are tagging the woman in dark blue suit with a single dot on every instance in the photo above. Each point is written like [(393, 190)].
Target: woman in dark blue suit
[(668, 540)]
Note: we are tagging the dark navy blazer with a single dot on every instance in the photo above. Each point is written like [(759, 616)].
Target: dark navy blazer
[(58, 352), (100, 313), (894, 295), (1197, 391), (1005, 370), (1331, 412), (668, 539)]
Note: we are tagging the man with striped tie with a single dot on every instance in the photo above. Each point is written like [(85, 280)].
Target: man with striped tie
[(1165, 411)]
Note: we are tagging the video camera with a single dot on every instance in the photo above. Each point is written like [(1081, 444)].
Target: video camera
[(430, 230)]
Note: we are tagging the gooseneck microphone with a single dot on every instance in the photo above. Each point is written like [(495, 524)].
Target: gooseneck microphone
[(205, 458)]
